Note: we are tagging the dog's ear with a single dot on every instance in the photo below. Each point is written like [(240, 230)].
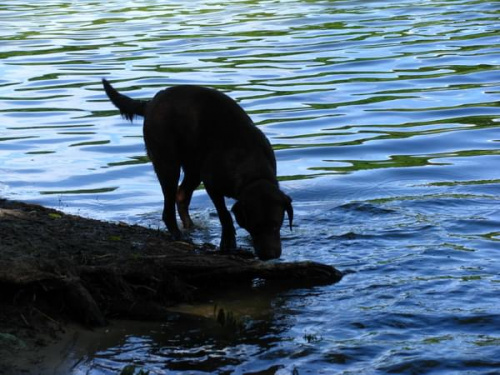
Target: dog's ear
[(239, 214), (289, 209)]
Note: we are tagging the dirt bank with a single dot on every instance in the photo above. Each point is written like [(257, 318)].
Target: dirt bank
[(57, 268)]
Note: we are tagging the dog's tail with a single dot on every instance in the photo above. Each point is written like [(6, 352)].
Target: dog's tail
[(129, 108)]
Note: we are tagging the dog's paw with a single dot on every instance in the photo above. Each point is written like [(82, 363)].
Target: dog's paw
[(228, 244), (177, 235)]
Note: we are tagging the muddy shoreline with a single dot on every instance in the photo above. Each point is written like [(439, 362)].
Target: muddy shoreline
[(59, 271)]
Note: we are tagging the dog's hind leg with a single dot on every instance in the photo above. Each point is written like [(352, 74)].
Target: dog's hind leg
[(183, 198), (168, 176)]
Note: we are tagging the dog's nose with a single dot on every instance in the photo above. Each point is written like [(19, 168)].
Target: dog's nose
[(267, 246)]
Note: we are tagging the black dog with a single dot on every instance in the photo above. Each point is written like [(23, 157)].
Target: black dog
[(214, 141)]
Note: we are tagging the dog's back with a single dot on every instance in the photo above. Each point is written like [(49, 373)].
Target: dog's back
[(194, 111), (208, 106), (210, 129)]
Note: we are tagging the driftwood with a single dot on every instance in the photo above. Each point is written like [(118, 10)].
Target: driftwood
[(91, 270)]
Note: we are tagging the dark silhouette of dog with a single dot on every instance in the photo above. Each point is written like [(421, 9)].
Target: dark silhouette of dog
[(214, 141)]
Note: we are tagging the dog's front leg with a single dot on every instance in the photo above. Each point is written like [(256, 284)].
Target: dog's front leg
[(228, 239)]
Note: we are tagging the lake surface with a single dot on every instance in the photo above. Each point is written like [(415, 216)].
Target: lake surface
[(385, 120)]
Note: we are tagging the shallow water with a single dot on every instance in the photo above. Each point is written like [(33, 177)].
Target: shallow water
[(385, 121)]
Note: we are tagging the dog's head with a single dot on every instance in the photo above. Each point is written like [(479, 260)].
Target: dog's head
[(261, 210)]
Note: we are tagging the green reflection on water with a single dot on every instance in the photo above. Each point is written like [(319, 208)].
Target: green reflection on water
[(463, 183), (133, 161), (90, 143), (79, 191)]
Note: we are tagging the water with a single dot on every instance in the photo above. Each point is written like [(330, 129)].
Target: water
[(385, 121)]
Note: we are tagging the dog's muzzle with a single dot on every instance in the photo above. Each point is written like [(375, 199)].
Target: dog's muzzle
[(267, 246)]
